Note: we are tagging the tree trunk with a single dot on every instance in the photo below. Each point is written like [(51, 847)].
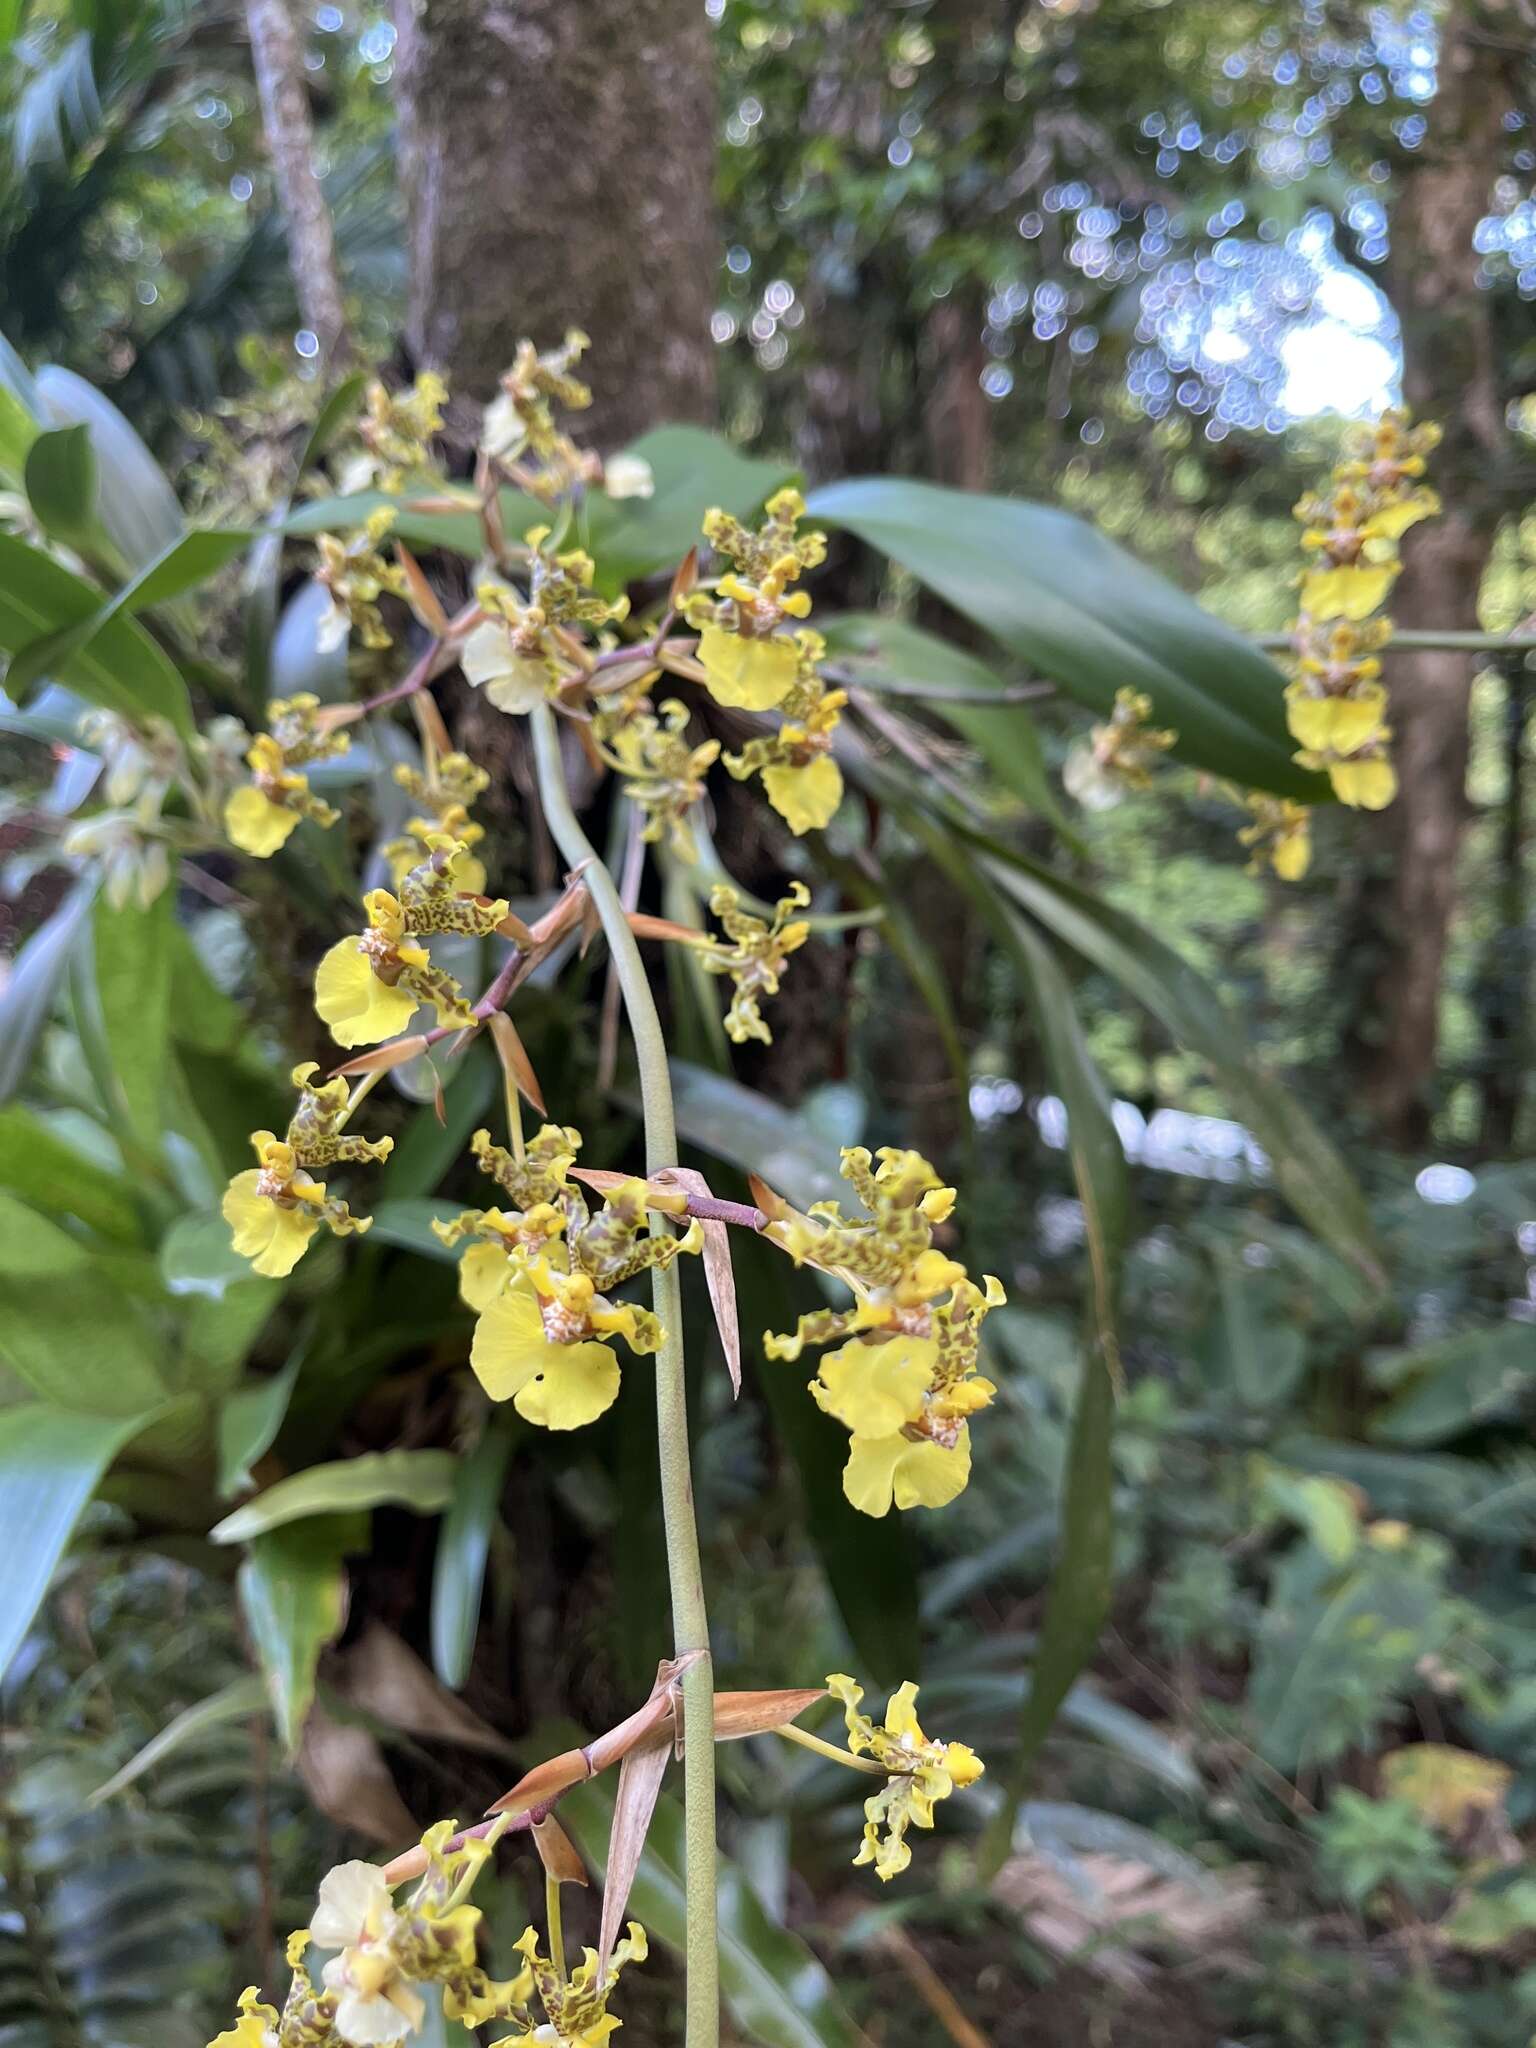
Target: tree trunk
[(558, 164), (290, 140), (1450, 375)]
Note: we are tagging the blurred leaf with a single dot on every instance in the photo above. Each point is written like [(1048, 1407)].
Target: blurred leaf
[(1308, 1169), (51, 1461), (61, 485), (26, 999), (427, 1149), (132, 960), (384, 1677), (120, 667), (751, 1132), (1449, 1387), (70, 1325), (776, 1990), (408, 1224), (420, 1480), (1087, 614), (874, 647), (293, 1589), (248, 1424), (463, 1545), (693, 470), (196, 1257), (1260, 1358), (49, 1174), (236, 1701)]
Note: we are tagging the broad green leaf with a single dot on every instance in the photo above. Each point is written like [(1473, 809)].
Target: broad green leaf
[(420, 1480), (61, 484), (120, 667), (293, 1590), (26, 999), (50, 1464), (340, 407), (132, 959), (249, 1421), (188, 561), (236, 1701), (1451, 1387), (49, 1174), (72, 1323), (463, 1544), (693, 470), (776, 1990), (428, 1148), (1087, 614), (1308, 1168), (1251, 1351), (134, 499)]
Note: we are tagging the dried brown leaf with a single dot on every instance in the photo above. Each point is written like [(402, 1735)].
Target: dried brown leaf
[(739, 1714), (684, 581), (515, 1062), (544, 1782), (384, 1676), (382, 1057), (423, 597), (644, 926), (773, 1206), (719, 1275), (640, 1777), (345, 1774), (557, 1852)]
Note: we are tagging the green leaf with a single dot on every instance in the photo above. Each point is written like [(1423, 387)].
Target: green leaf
[(70, 1325), (340, 407), (776, 1990), (236, 1701), (26, 999), (132, 958), (51, 1462), (249, 1421), (1308, 1168), (408, 1224), (1451, 1387), (61, 485), (427, 1148), (463, 1544), (293, 1590), (420, 1480), (874, 648), (737, 1124), (196, 1257), (693, 470), (120, 667), (49, 1174), (191, 559), (1087, 614)]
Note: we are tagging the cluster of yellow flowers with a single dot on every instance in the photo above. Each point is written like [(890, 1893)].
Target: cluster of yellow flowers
[(384, 1951), (1118, 756), (905, 1383), (921, 1772), (396, 430), (522, 651), (355, 576), (261, 816), (445, 788), (756, 957), (538, 1275), (751, 662), (662, 773), (275, 1208), (1336, 702)]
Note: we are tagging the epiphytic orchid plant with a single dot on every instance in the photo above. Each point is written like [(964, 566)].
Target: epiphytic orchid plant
[(543, 1265)]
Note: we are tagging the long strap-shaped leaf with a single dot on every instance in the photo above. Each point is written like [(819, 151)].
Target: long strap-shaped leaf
[(1087, 614)]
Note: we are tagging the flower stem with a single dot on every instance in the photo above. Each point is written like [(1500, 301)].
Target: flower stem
[(556, 1929), (844, 1757), (684, 1570)]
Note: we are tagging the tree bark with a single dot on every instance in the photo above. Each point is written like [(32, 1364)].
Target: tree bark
[(290, 137), (1450, 375), (558, 165)]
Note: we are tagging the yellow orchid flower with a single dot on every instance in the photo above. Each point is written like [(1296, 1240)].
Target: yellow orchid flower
[(576, 2008), (1350, 591), (747, 675), (922, 1772), (1335, 724), (513, 680), (274, 1209), (368, 988), (376, 2002), (757, 956), (1280, 836), (557, 1382), (1366, 782), (806, 796), (256, 2026), (261, 817)]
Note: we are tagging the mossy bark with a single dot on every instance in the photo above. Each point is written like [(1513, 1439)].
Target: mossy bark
[(558, 164)]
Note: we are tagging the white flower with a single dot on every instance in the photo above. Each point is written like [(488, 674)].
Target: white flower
[(375, 2004), (502, 432), (333, 628), (628, 476), (513, 682)]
